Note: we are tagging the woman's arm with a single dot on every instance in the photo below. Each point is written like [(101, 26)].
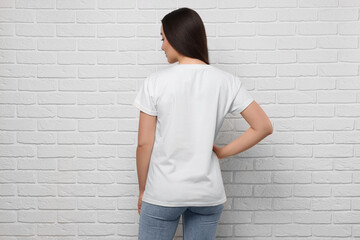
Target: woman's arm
[(260, 127), (146, 135)]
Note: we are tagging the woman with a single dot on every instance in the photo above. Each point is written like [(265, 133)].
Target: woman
[(181, 111)]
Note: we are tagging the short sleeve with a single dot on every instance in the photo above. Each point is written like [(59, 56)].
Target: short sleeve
[(241, 100), (144, 99)]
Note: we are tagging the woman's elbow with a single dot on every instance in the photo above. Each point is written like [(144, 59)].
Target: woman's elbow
[(268, 129)]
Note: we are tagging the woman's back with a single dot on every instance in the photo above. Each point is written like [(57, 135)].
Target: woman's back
[(190, 102)]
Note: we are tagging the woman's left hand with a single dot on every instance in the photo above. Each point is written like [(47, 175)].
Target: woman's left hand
[(140, 201)]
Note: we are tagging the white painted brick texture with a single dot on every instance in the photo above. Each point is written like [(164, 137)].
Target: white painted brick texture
[(69, 70)]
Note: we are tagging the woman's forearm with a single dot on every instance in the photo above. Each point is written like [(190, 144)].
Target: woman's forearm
[(143, 155), (248, 139)]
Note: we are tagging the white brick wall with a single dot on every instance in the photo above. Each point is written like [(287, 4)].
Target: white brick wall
[(71, 68)]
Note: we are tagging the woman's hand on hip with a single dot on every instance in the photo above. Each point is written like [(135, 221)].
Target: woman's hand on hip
[(218, 151)]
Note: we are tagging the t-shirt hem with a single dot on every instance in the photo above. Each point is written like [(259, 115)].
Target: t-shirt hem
[(183, 204)]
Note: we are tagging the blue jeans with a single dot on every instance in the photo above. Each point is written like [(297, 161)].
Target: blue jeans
[(160, 222)]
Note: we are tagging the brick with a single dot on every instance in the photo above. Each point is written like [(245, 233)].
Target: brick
[(17, 16), (95, 16), (317, 29), (236, 57), (237, 4), (346, 217), (349, 3), (249, 230), (295, 97), (333, 151), (37, 216), (17, 177), (335, 42), (330, 204), (53, 16), (56, 177), (57, 203), (323, 190), (319, 110), (272, 191), (256, 15), (336, 97), (252, 204), (38, 190), (349, 28), (286, 43), (276, 57), (349, 56), (277, 3), (19, 229), (351, 190), (338, 69), (154, 4), (332, 177), (297, 15), (254, 43), (292, 177), (347, 137), (8, 217), (76, 217), (317, 164), (110, 4), (315, 83), (291, 204), (236, 29), (97, 230), (312, 217), (346, 164), (278, 111), (241, 217), (314, 138), (56, 44), (292, 230), (293, 125), (7, 4), (116, 31), (272, 217), (7, 30), (237, 190), (17, 70), (334, 124), (252, 177), (276, 29), (56, 229), (317, 56), (297, 70), (257, 70), (318, 3), (293, 151), (351, 110), (78, 30), (273, 164), (338, 15), (75, 4)]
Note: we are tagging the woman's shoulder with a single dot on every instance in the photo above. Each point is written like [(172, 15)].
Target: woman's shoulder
[(176, 69), (212, 73)]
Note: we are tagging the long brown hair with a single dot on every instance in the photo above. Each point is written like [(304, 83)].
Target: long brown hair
[(185, 31)]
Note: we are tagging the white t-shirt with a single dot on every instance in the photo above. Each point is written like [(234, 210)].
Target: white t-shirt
[(190, 102)]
